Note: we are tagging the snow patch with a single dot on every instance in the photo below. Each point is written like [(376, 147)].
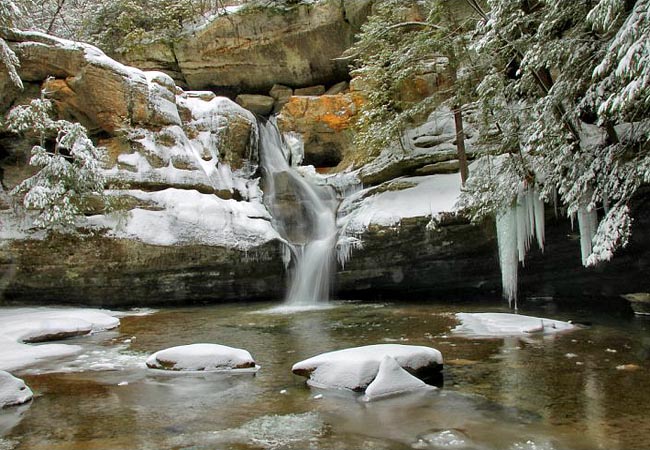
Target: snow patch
[(13, 391), (426, 196), (392, 379), (20, 324), (189, 217), (504, 324)]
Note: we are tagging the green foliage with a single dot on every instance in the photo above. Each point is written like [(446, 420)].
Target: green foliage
[(401, 41), (126, 22), (69, 173), (10, 15), (566, 101)]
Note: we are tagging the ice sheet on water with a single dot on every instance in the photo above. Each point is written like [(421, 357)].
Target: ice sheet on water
[(444, 439), (503, 324), (267, 432), (533, 445)]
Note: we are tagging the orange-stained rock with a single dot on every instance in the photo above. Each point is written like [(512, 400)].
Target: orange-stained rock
[(324, 123)]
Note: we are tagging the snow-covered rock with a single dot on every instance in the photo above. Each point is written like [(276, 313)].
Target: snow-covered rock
[(201, 357), (188, 217), (504, 324), (13, 391), (355, 368), (21, 325), (392, 379), (404, 198)]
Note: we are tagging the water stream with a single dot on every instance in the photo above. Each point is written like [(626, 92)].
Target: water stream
[(304, 215)]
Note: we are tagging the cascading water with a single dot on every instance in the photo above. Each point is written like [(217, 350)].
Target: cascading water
[(304, 214)]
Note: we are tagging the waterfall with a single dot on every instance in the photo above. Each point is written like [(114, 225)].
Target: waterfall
[(304, 215)]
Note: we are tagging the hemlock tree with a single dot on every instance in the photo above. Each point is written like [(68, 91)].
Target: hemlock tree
[(9, 15), (566, 105), (69, 172), (395, 45)]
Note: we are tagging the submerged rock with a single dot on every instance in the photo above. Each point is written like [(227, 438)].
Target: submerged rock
[(13, 391), (201, 357), (356, 368)]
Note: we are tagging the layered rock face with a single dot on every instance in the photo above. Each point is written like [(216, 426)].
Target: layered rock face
[(258, 46), (191, 227)]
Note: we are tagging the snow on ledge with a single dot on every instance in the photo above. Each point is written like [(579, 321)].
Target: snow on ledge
[(13, 391), (504, 324), (187, 217), (425, 196)]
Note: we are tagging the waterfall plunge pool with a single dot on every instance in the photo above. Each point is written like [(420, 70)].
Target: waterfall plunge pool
[(586, 389)]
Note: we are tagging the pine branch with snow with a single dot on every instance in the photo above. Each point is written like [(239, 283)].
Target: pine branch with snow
[(69, 173)]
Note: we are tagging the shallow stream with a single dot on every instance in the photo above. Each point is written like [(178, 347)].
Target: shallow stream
[(587, 389)]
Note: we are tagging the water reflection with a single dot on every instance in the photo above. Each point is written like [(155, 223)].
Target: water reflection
[(10, 417), (565, 393)]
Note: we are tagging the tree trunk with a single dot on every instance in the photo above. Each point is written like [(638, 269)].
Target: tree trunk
[(460, 144)]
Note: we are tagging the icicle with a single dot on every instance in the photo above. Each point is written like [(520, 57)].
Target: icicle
[(530, 203), (508, 252), (588, 224), (538, 211), (344, 248), (296, 148), (286, 255), (516, 228), (524, 229)]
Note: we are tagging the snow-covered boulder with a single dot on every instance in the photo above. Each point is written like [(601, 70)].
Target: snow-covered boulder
[(13, 391), (504, 324), (201, 357), (391, 380), (355, 368)]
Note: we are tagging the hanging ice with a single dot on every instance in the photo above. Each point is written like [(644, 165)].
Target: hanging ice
[(291, 198), (588, 224), (507, 240), (516, 227)]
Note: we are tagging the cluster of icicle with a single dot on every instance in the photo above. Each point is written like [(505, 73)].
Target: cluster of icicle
[(344, 248), (523, 221), (516, 227)]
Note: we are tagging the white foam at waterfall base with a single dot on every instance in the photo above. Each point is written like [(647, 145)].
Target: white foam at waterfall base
[(311, 278)]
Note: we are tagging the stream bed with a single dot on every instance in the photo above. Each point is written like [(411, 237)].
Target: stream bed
[(586, 389)]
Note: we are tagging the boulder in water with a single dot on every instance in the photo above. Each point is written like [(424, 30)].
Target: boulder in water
[(201, 357), (356, 368), (13, 391)]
